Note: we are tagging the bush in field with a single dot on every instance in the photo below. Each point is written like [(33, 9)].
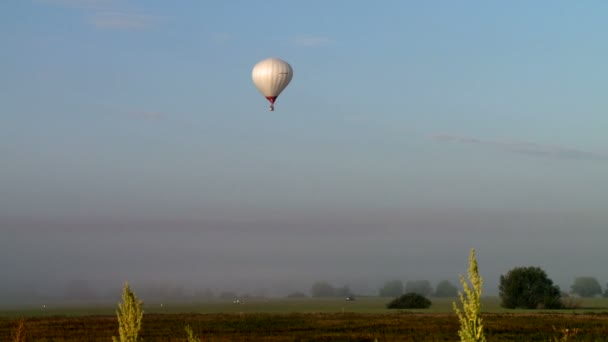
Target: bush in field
[(571, 303), (471, 327), (446, 289), (393, 288), (409, 301), (421, 287), (129, 315), (529, 288), (586, 287)]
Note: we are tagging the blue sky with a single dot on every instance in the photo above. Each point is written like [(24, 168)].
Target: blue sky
[(122, 111)]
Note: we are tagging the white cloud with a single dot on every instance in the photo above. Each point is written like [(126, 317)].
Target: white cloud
[(311, 41)]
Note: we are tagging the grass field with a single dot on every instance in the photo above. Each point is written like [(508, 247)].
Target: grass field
[(308, 320), (283, 306)]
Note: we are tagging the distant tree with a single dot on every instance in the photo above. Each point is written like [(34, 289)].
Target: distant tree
[(446, 289), (606, 291), (421, 287), (322, 289), (246, 295), (297, 295), (228, 295), (586, 287), (529, 288), (343, 291), (409, 301), (204, 294), (392, 288)]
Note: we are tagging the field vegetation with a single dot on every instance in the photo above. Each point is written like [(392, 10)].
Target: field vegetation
[(327, 317), (471, 327), (310, 319)]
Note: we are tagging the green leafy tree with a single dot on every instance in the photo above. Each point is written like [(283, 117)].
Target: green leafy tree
[(586, 287), (445, 289), (529, 288), (129, 315), (393, 288), (471, 325), (421, 287), (409, 301)]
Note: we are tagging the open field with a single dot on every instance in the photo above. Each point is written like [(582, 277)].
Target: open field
[(308, 320), (282, 306), (313, 327)]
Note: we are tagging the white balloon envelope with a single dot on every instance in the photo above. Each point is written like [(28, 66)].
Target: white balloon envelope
[(271, 76)]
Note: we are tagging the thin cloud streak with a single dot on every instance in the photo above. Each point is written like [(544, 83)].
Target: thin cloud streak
[(526, 148), (82, 4), (108, 14)]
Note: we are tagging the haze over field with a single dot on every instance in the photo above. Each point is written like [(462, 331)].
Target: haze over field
[(134, 146)]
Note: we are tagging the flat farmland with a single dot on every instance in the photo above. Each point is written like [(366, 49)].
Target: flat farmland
[(365, 319)]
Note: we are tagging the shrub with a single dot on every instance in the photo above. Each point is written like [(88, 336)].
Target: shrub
[(190, 334), (471, 326), (572, 303), (409, 301), (129, 315)]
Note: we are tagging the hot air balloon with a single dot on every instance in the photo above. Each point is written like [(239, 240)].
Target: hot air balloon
[(271, 76)]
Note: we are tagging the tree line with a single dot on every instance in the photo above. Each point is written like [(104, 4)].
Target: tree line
[(521, 287)]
